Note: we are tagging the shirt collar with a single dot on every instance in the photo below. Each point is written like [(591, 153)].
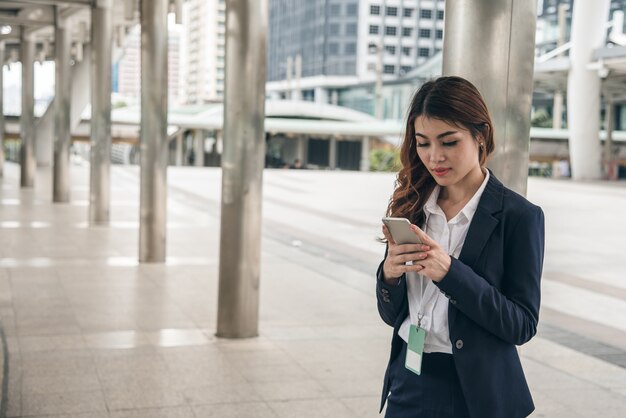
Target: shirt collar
[(431, 207)]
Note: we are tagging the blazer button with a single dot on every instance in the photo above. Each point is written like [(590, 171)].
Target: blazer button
[(459, 344), (453, 301), (386, 299), (385, 291)]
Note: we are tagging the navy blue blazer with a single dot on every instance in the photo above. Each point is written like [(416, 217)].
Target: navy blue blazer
[(494, 292)]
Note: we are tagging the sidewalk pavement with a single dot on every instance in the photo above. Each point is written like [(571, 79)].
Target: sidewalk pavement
[(91, 333)]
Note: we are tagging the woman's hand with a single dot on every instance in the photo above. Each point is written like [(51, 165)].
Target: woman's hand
[(397, 255), (437, 263)]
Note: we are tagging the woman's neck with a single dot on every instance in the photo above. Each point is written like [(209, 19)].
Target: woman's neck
[(463, 191)]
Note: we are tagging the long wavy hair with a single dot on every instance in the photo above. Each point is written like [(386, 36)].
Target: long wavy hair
[(453, 100)]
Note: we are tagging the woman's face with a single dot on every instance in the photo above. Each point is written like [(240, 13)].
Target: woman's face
[(450, 153)]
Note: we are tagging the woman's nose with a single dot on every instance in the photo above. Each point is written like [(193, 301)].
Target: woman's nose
[(436, 155)]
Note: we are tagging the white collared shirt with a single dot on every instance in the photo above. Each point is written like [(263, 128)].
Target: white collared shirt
[(451, 236)]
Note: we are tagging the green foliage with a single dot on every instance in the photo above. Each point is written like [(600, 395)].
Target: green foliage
[(385, 159), (541, 119), (119, 104)]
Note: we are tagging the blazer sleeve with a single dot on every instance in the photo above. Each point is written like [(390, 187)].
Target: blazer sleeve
[(392, 299), (511, 313)]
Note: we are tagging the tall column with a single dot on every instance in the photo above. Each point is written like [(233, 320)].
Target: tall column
[(27, 148), (501, 68), (2, 49), (332, 153), (100, 180), (242, 168), (365, 154), (611, 165), (62, 139), (583, 89), (179, 148), (198, 142), (297, 92), (153, 138)]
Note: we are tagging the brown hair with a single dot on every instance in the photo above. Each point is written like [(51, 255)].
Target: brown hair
[(450, 99)]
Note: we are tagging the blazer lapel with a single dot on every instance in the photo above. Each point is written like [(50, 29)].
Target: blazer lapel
[(483, 222), (482, 226)]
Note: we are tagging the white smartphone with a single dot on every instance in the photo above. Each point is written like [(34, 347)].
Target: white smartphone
[(400, 229)]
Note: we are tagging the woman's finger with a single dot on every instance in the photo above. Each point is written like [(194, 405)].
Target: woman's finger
[(424, 237), (388, 236)]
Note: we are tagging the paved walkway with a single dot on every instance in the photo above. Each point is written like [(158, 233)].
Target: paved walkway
[(91, 333)]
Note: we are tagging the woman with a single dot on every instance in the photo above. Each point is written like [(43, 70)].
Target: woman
[(470, 292)]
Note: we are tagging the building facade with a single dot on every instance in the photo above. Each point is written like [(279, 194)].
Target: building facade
[(340, 42), (127, 71), (203, 51)]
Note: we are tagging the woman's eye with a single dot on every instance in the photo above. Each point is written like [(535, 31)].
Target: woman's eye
[(450, 144), (422, 145)]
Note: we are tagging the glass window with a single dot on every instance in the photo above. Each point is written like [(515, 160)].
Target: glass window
[(405, 69), (423, 52), (390, 30), (389, 69), (391, 11), (406, 51), (333, 48), (407, 12), (390, 49), (426, 14), (439, 34), (424, 33), (373, 29), (351, 29), (334, 29), (407, 31), (335, 9), (350, 48), (375, 10), (352, 9), (440, 14)]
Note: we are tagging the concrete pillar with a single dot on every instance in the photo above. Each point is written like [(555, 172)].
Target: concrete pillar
[(365, 154), (583, 89), (179, 149), (198, 145), (557, 111), (242, 168), (27, 148), (321, 95), (332, 153), (300, 151), (297, 91), (611, 166), (2, 50), (100, 171), (154, 139), (62, 105), (289, 77), (501, 68)]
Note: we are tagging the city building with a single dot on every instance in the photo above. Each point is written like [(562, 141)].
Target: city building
[(317, 47), (127, 71), (203, 51)]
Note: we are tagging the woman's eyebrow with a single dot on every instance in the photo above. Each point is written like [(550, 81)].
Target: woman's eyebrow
[(440, 136)]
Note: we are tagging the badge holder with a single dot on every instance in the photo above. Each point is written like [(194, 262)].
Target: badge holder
[(415, 348)]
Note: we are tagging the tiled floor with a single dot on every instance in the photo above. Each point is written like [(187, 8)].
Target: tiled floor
[(91, 333)]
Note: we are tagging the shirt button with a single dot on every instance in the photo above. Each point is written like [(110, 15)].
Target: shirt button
[(459, 344)]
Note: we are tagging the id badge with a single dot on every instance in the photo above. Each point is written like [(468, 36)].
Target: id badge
[(415, 349)]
